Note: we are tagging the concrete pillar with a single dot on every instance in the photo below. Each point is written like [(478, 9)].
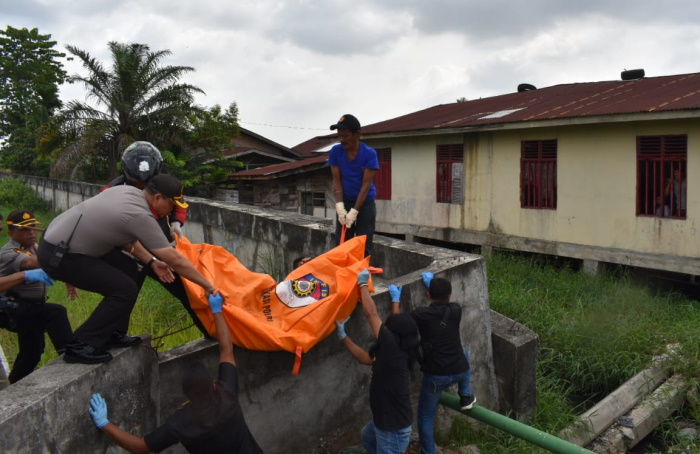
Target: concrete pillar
[(515, 363), (590, 266), (486, 250)]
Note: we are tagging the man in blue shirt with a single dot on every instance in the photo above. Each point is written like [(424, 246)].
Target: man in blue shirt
[(354, 165)]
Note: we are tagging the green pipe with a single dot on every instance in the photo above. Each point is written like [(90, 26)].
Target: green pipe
[(513, 427)]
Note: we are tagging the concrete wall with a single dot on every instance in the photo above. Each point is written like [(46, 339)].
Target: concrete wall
[(285, 413), (46, 412)]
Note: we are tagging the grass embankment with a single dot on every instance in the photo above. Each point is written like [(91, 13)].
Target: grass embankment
[(156, 311), (595, 332)]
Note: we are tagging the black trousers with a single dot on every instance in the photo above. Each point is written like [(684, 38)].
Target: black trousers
[(177, 289), (30, 321), (364, 225), (114, 276)]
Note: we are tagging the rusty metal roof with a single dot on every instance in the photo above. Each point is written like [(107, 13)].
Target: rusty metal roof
[(652, 94), (310, 147), (280, 170)]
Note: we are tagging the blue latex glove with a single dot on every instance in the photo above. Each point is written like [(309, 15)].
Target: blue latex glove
[(395, 293), (427, 278), (363, 277), (98, 411), (340, 328), (215, 302), (37, 275)]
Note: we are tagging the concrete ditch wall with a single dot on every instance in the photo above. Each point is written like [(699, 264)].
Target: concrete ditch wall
[(285, 413)]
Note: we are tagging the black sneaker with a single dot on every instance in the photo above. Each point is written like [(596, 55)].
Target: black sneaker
[(120, 340), (467, 402), (80, 352)]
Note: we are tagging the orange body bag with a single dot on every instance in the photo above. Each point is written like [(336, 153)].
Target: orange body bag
[(316, 294)]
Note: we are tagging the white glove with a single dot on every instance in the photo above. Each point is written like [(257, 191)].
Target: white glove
[(351, 217), (340, 209), (176, 228)]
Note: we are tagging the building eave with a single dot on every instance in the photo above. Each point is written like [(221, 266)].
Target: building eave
[(558, 122)]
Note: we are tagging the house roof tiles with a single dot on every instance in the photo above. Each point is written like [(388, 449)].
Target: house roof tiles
[(654, 94)]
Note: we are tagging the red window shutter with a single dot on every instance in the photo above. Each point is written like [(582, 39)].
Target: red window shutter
[(382, 179), (659, 159), (449, 187), (538, 174)]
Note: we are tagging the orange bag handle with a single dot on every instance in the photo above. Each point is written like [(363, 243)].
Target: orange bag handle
[(342, 234), (297, 360)]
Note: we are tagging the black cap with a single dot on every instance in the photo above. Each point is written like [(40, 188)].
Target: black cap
[(347, 121), (169, 186)]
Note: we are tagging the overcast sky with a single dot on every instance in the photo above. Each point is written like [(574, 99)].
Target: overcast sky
[(294, 67)]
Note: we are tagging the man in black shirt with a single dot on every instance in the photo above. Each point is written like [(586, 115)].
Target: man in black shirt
[(212, 420), (391, 359), (445, 361)]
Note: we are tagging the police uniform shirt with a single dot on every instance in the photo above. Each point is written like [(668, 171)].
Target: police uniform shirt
[(111, 219), (12, 255)]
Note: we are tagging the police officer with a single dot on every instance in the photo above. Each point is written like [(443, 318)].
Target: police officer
[(83, 246), (141, 161), (27, 313)]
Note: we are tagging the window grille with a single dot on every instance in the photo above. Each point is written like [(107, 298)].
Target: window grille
[(538, 174), (662, 176), (450, 173)]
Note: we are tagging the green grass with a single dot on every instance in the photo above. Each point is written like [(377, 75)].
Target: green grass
[(156, 312), (596, 332)]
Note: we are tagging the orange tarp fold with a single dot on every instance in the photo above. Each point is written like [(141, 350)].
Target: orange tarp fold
[(325, 289)]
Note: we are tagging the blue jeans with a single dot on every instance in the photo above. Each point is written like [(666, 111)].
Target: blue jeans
[(429, 399), (364, 225), (377, 441)]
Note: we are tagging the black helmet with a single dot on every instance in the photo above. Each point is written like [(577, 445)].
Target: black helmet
[(141, 161)]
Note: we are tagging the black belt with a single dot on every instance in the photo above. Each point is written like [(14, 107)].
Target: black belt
[(21, 300)]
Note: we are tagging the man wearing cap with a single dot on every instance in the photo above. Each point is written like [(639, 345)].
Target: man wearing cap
[(32, 316), (83, 246), (141, 161), (353, 165)]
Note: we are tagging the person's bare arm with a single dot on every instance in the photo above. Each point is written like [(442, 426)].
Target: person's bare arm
[(337, 184), (130, 442), (367, 178), (370, 310), (160, 268), (359, 353), (224, 338), (13, 280), (183, 267)]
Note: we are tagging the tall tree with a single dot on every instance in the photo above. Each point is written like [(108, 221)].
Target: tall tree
[(135, 99), (30, 74), (203, 165)]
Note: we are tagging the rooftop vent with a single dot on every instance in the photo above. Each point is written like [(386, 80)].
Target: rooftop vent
[(632, 74), (526, 87)]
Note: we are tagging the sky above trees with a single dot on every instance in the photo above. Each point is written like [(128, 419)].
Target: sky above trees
[(294, 67)]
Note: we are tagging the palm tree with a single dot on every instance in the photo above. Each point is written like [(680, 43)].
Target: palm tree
[(135, 99)]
